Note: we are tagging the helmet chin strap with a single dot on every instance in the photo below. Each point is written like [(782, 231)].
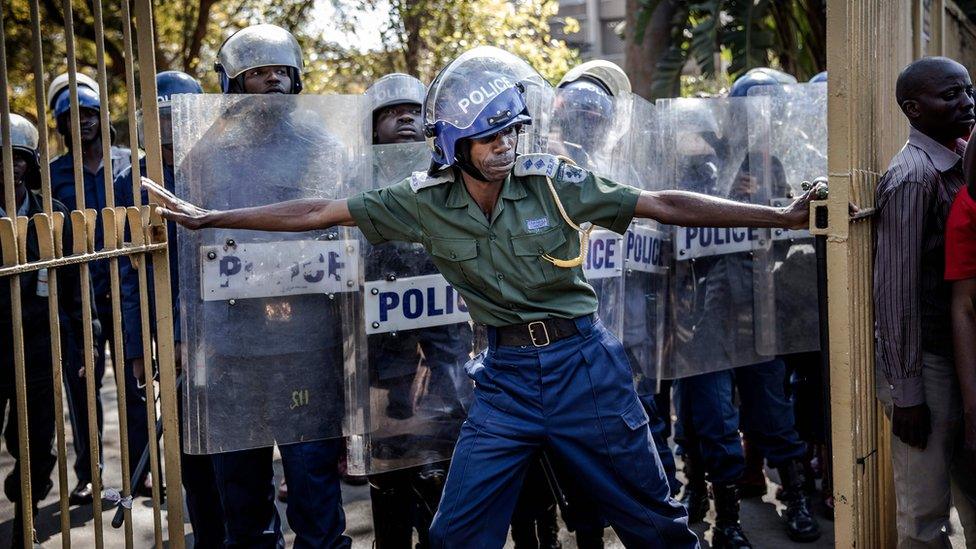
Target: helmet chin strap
[(463, 161)]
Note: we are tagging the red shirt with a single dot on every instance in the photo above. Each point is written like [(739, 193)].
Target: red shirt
[(961, 238)]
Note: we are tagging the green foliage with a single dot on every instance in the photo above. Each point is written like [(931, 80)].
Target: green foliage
[(421, 36), (418, 37), (744, 33)]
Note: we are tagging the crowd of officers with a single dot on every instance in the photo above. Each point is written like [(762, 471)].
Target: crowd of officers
[(230, 496)]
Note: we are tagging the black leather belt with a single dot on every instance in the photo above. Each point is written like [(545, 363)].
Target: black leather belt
[(539, 333)]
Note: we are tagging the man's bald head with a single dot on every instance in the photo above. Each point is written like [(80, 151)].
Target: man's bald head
[(935, 93), (914, 78)]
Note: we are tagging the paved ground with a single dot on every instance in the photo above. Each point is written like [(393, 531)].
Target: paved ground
[(760, 517)]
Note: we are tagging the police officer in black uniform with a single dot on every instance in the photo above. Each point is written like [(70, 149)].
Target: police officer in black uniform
[(34, 291)]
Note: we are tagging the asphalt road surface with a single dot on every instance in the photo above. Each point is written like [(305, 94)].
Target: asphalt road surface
[(760, 518)]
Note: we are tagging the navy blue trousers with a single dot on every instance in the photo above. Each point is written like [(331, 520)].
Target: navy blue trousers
[(574, 398), (708, 418), (245, 480)]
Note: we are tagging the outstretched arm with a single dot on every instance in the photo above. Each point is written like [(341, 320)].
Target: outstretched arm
[(689, 209), (292, 216)]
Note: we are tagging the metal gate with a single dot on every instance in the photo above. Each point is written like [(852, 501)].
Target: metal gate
[(870, 42), (145, 242)]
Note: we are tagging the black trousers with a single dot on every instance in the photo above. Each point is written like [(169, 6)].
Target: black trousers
[(40, 429)]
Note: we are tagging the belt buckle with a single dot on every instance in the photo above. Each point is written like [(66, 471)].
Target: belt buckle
[(545, 331)]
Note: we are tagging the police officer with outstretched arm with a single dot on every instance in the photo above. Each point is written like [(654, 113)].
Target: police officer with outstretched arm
[(503, 229)]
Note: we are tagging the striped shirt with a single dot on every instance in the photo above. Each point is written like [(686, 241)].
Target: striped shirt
[(911, 299)]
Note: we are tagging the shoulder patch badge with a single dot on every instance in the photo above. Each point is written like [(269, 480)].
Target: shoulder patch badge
[(549, 166), (571, 173), (536, 164), (421, 180)]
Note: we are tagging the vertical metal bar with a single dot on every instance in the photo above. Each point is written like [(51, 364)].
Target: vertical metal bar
[(140, 261), (840, 34), (85, 274), (118, 356), (161, 276), (130, 92), (20, 374), (54, 323)]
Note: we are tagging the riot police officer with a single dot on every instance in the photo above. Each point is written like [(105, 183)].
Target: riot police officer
[(709, 421), (404, 499), (767, 418), (610, 78), (202, 498), (63, 189), (36, 332), (266, 59), (503, 230)]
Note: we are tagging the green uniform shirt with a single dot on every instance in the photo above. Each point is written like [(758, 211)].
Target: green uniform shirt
[(497, 264)]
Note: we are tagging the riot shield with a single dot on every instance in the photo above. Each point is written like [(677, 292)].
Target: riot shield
[(265, 347), (647, 250), (587, 128), (418, 337), (716, 146), (786, 274)]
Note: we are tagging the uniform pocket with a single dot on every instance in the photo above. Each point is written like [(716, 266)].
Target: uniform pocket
[(460, 256), (534, 270), (635, 416)]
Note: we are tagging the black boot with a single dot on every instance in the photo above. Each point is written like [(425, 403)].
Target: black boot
[(727, 532), (695, 497), (800, 524), (548, 529), (589, 539)]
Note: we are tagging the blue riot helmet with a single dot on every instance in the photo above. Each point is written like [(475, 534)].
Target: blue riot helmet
[(87, 99), (779, 76), (583, 118), (478, 94), (606, 74), (60, 85), (168, 84), (742, 85), (258, 46), (819, 77)]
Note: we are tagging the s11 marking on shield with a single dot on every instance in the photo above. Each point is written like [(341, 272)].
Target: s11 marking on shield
[(412, 303), (604, 258), (274, 269), (644, 250)]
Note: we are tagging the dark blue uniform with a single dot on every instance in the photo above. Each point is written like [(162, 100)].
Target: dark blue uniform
[(245, 478), (37, 360), (202, 499), (63, 189)]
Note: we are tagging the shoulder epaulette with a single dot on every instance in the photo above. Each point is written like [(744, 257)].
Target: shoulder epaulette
[(550, 166), (422, 180)]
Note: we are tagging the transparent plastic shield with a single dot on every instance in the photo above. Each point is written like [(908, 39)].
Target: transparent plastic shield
[(647, 250), (418, 337), (716, 147), (786, 274), (587, 127), (265, 346)]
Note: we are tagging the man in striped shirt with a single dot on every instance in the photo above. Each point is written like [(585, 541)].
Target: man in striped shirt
[(916, 380)]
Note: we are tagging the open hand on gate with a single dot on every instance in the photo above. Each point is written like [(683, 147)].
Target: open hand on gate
[(798, 212), (173, 208)]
